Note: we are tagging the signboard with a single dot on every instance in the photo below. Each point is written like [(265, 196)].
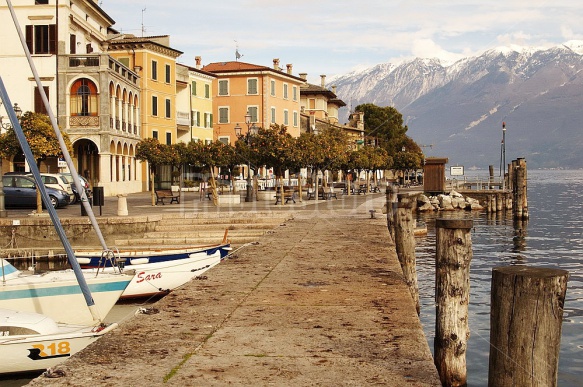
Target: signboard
[(61, 163), (456, 171)]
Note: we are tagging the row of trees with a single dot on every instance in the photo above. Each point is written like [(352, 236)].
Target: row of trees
[(331, 149)]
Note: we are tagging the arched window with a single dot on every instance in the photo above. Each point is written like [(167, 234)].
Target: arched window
[(83, 98)]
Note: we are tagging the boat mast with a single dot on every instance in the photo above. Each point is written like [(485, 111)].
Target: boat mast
[(84, 201), (47, 201)]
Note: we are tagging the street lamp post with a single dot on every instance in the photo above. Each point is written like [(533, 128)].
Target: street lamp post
[(6, 126), (503, 156), (251, 131)]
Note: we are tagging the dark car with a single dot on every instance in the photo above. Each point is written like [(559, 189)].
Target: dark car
[(85, 184), (20, 191)]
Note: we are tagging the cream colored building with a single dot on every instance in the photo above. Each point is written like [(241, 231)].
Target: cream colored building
[(95, 98)]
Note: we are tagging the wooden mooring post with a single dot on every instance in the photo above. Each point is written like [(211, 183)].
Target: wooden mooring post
[(452, 295), (525, 325), (519, 189), (391, 203), (405, 245)]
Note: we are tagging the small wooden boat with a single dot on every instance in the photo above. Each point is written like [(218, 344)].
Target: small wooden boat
[(32, 341)]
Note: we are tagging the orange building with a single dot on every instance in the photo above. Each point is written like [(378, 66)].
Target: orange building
[(269, 95)]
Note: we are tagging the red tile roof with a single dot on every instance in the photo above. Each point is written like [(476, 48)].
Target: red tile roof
[(231, 67), (219, 67)]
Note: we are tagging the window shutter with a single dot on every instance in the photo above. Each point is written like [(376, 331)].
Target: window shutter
[(39, 106), (29, 31), (211, 120), (193, 88), (197, 118), (73, 44), (52, 38)]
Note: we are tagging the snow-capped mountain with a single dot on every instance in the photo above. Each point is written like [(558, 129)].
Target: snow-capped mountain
[(459, 108)]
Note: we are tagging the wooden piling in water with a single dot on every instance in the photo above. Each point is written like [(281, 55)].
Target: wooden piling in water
[(525, 325), (390, 203), (452, 294), (519, 190), (405, 246)]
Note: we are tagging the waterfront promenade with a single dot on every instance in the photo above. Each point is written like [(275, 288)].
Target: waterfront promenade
[(319, 301)]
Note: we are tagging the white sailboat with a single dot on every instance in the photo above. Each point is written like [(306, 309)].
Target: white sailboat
[(160, 278), (32, 341), (57, 294)]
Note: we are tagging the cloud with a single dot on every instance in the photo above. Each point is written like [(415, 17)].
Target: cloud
[(329, 37), (427, 48)]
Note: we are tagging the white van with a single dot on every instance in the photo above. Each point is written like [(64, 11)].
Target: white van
[(58, 181)]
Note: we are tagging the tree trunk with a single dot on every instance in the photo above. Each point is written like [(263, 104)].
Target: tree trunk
[(152, 188), (300, 186), (39, 201), (213, 185)]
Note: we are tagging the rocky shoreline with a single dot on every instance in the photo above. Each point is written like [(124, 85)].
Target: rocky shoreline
[(447, 202)]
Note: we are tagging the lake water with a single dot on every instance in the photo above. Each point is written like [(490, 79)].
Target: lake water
[(552, 237)]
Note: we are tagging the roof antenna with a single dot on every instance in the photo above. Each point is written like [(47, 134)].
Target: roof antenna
[(237, 55), (143, 28)]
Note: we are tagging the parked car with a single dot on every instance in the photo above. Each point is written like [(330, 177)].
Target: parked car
[(20, 191), (57, 181), (84, 182)]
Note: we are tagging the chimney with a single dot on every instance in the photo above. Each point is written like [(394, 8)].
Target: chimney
[(323, 78), (197, 60), (334, 89), (276, 63), (289, 68), (304, 76)]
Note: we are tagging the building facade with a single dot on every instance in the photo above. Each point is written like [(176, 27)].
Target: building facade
[(269, 94), (154, 61)]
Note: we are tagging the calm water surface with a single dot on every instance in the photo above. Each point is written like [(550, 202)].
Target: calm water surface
[(552, 237)]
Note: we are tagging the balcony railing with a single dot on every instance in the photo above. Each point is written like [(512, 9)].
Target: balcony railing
[(84, 61)]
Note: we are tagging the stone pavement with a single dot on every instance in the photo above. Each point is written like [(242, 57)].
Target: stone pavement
[(318, 302), (139, 204)]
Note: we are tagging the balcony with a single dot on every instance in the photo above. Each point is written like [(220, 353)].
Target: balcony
[(84, 61), (183, 118), (83, 121)]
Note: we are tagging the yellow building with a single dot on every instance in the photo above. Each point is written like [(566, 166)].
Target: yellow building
[(154, 61), (195, 89), (268, 94)]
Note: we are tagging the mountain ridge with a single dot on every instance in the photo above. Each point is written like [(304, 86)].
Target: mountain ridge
[(460, 107)]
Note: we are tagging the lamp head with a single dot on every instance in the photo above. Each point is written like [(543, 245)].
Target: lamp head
[(17, 110), (247, 118), (253, 130), (238, 130)]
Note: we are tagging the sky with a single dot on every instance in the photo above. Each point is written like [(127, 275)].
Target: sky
[(325, 37)]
